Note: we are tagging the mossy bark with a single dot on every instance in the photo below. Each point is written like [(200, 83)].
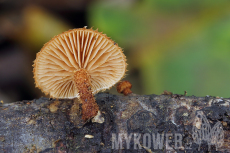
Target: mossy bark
[(51, 125)]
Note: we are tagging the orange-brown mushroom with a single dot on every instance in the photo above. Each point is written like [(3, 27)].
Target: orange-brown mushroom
[(79, 63), (124, 87)]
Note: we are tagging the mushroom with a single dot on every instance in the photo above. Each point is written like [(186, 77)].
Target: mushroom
[(124, 87), (79, 63)]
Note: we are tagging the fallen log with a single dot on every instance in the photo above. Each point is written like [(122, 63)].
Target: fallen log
[(134, 123)]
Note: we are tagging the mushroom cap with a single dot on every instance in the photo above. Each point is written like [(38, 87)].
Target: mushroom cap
[(76, 49)]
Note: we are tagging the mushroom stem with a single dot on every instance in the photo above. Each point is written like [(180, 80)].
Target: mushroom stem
[(83, 84)]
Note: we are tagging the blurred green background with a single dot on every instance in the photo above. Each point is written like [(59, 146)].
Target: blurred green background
[(170, 45)]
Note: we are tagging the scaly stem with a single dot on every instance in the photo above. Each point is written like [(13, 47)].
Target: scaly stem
[(83, 84)]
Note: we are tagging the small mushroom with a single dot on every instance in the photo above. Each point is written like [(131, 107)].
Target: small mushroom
[(124, 87), (79, 63)]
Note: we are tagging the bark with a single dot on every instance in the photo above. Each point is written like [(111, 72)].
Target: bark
[(51, 125)]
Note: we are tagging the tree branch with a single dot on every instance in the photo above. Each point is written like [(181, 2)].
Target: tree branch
[(51, 125)]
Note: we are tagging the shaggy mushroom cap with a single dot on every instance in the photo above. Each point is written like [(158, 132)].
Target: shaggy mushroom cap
[(73, 50)]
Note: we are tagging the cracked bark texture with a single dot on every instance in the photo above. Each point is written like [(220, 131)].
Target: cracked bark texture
[(55, 125)]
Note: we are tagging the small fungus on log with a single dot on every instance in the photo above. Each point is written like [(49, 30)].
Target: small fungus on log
[(124, 87)]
